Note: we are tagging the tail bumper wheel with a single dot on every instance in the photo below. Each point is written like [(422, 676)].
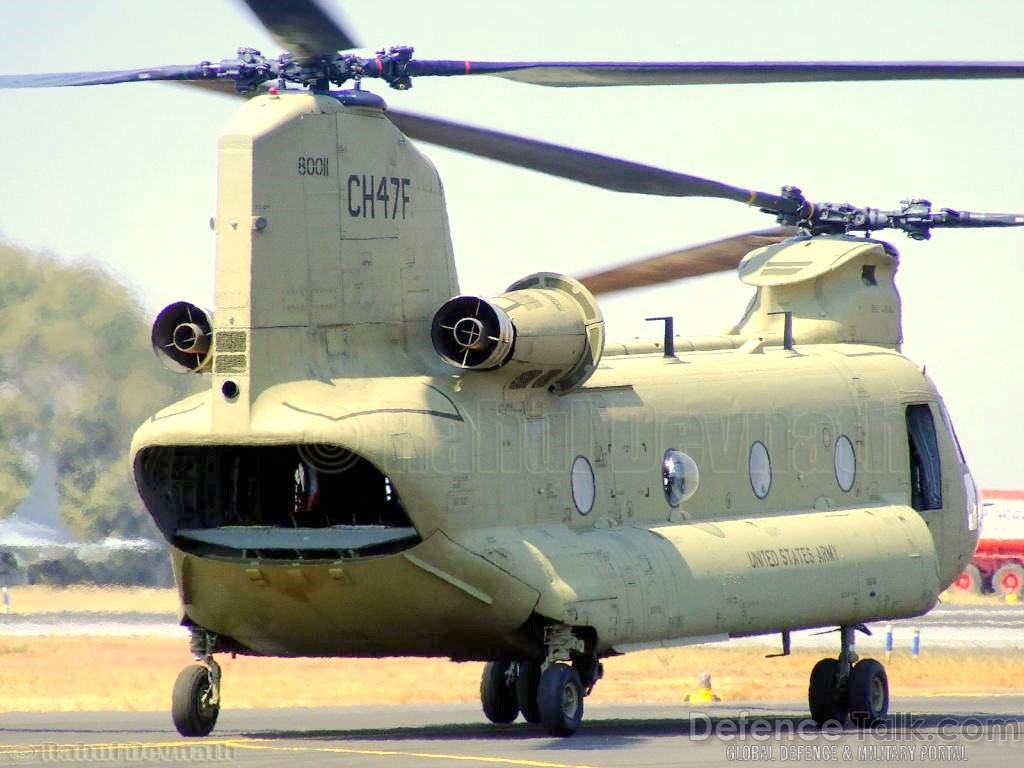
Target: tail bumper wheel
[(869, 692), (824, 694), (527, 682), (560, 700), (498, 692), (194, 707)]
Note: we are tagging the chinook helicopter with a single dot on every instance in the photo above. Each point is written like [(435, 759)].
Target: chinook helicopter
[(380, 465)]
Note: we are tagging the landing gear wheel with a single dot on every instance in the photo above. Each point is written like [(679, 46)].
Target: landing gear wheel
[(498, 693), (192, 707), (824, 693), (969, 581), (1009, 579), (560, 700), (527, 681), (869, 692)]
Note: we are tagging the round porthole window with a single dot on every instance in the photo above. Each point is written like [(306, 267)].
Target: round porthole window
[(679, 476), (584, 488), (846, 463), (760, 470)]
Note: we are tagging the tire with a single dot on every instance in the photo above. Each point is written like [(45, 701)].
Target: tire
[(969, 581), (1009, 579), (823, 693), (560, 700), (527, 682), (869, 693), (497, 696), (191, 710)]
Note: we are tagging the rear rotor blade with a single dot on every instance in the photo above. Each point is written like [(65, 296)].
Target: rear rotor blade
[(718, 256), (577, 165), (577, 74), (303, 27), (64, 79)]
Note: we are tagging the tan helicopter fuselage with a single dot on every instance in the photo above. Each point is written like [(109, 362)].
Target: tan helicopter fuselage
[(339, 490)]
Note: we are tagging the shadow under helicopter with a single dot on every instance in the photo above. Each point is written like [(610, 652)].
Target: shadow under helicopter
[(758, 725)]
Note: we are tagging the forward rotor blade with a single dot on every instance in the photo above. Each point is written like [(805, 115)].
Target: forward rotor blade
[(718, 256), (302, 27), (577, 165), (65, 79), (578, 74)]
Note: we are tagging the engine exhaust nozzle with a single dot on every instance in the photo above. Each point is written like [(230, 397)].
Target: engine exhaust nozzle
[(181, 337)]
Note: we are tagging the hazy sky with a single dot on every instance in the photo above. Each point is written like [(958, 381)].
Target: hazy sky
[(124, 175)]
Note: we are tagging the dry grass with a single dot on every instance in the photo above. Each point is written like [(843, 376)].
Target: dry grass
[(86, 673), (83, 673), (954, 597), (40, 599), (744, 674)]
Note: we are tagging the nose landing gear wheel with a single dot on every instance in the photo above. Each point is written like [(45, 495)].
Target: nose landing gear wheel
[(869, 692), (560, 700), (498, 692), (193, 707)]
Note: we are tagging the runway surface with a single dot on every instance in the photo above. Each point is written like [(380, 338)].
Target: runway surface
[(97, 623), (948, 626), (936, 731)]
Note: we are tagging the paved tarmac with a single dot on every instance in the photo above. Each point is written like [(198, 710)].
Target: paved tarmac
[(984, 731)]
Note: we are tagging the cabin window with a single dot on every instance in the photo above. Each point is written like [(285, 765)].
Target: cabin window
[(584, 487), (845, 463), (760, 466), (679, 477), (925, 465)]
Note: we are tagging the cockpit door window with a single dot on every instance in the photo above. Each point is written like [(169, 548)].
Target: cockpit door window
[(925, 466)]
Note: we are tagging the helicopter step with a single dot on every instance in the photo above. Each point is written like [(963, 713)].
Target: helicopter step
[(848, 686), (195, 702)]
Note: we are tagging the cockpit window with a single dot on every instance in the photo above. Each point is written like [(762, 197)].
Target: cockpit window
[(925, 466), (956, 440)]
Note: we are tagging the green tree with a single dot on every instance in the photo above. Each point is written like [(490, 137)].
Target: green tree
[(77, 377)]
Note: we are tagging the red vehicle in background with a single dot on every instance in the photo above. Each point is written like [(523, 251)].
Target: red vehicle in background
[(998, 562)]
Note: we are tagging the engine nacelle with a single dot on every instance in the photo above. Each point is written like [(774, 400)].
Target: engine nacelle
[(546, 331), (182, 335)]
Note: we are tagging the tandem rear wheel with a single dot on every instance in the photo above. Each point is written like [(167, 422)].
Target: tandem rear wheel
[(552, 697), (498, 692), (527, 683), (508, 688), (845, 687), (560, 699)]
